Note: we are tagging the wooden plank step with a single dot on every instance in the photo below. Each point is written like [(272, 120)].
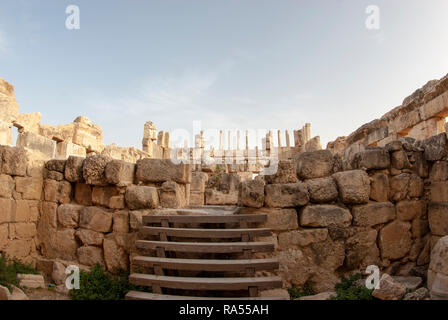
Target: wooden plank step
[(206, 218), (192, 283), (138, 295), (205, 233), (207, 264), (207, 247)]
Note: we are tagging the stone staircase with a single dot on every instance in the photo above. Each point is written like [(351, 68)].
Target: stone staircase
[(203, 253)]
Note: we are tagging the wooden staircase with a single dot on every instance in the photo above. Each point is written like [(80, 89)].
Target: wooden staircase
[(203, 254)]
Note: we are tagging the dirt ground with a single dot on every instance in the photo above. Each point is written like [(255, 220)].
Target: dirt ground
[(45, 294)]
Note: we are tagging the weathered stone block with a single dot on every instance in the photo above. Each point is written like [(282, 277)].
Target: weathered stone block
[(252, 193), (68, 215), (322, 189), (301, 238), (439, 171), (399, 187), (83, 194), (277, 219), (29, 187), (90, 237), (438, 218), (121, 221), (314, 164), (95, 219), (379, 187), (286, 195), (73, 169), (389, 289), (354, 186), (361, 249), (14, 160), (24, 230), (161, 170), (373, 214), (115, 256), (197, 198), (89, 256), (415, 186), (409, 209), (94, 170), (141, 197), (120, 173), (399, 160), (395, 240), (6, 186), (372, 159), (55, 165), (286, 173), (101, 195), (53, 175), (8, 208), (117, 202), (439, 191), (325, 216), (172, 195), (198, 181), (57, 191), (436, 147)]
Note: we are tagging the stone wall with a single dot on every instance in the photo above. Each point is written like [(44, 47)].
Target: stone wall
[(91, 208)]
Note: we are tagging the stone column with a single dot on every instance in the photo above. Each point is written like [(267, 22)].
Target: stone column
[(288, 143), (279, 137), (220, 140)]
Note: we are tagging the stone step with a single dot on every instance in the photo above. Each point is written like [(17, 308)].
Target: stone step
[(207, 265), (207, 247), (138, 295), (205, 218), (192, 283), (205, 233)]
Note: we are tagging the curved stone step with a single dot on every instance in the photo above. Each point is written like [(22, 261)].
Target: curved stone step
[(206, 218), (205, 233), (207, 264), (207, 247), (138, 295), (192, 283)]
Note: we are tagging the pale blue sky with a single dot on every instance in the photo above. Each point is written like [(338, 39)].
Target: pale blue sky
[(253, 64)]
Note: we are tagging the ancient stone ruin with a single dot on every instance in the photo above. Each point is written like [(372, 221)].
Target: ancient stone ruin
[(376, 197)]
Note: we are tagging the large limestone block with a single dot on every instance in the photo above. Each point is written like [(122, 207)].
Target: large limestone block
[(94, 170), (277, 219), (57, 191), (90, 237), (400, 160), (252, 193), (399, 187), (315, 164), (361, 249), (395, 240), (439, 171), (8, 208), (101, 195), (286, 195), (438, 218), (197, 198), (172, 195), (295, 267), (89, 256), (302, 238), (409, 209), (55, 165), (286, 173), (416, 186), (372, 159), (198, 181), (438, 270), (74, 169), (120, 173), (373, 214), (29, 187), (68, 215), (115, 256), (121, 221), (354, 186), (161, 170), (436, 147), (23, 230), (389, 289), (96, 219), (32, 281), (379, 187), (63, 245), (6, 186), (14, 160), (83, 194), (141, 197), (4, 232), (40, 146), (439, 191), (325, 216), (222, 189), (322, 189)]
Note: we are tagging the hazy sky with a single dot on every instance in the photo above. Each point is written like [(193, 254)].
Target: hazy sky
[(230, 63)]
